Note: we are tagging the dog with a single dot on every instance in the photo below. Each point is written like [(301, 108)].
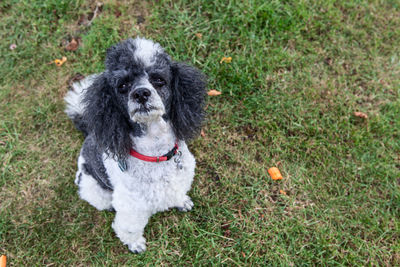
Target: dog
[(136, 117)]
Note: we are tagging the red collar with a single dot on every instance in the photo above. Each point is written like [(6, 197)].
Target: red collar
[(164, 157)]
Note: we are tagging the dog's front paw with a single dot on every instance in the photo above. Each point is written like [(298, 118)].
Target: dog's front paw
[(187, 205), (138, 246)]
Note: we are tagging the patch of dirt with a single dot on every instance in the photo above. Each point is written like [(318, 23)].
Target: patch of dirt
[(134, 17)]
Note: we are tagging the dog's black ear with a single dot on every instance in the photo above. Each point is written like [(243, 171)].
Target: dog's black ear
[(188, 99), (106, 119)]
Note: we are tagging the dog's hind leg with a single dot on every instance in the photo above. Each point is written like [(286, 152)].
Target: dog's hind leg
[(91, 191)]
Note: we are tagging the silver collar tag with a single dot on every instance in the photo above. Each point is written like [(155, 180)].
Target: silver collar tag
[(123, 166), (178, 160)]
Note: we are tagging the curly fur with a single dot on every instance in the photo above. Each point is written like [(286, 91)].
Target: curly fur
[(187, 103), (108, 121), (144, 101)]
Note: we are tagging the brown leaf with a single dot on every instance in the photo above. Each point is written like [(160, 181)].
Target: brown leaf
[(328, 61), (361, 115), (225, 226), (72, 45), (199, 35), (202, 133), (227, 233), (213, 93), (82, 20), (140, 19), (76, 78)]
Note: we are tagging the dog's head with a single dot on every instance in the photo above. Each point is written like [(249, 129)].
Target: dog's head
[(140, 84)]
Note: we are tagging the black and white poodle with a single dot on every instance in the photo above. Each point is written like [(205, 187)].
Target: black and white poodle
[(136, 117)]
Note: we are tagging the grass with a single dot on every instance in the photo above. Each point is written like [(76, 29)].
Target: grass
[(299, 71)]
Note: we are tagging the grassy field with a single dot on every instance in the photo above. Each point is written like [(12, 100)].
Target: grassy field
[(299, 71)]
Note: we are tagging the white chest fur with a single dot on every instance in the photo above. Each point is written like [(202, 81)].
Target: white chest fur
[(150, 185)]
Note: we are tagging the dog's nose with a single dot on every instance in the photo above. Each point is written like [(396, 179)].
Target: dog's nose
[(141, 95)]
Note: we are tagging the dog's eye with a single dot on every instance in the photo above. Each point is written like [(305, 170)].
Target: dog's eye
[(123, 88), (158, 82)]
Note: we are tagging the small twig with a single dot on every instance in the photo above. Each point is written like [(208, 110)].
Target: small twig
[(98, 5)]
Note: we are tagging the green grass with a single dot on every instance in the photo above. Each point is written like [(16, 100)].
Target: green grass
[(299, 71)]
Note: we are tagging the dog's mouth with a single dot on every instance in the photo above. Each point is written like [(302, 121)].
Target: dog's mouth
[(143, 109), (145, 113)]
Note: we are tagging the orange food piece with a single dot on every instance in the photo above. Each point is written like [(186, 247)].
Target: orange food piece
[(282, 192), (361, 115), (213, 92), (3, 261), (226, 59), (59, 62), (275, 173)]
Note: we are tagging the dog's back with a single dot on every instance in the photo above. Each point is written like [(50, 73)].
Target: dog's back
[(90, 151)]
